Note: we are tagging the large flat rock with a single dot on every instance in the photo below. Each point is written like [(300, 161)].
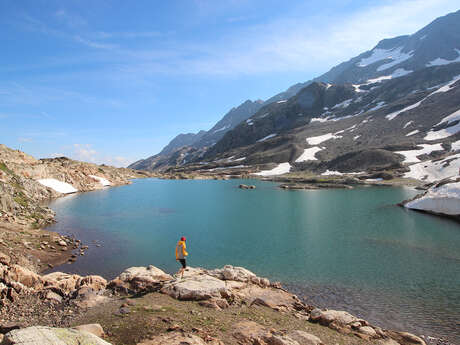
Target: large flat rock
[(195, 287), (39, 335)]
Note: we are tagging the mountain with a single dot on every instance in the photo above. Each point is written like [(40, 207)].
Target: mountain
[(176, 152), (228, 122), (397, 76)]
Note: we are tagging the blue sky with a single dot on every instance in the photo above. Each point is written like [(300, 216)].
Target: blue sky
[(114, 81)]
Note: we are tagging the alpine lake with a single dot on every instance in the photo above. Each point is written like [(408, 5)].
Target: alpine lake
[(352, 250)]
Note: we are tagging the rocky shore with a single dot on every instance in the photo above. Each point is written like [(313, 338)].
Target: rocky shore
[(26, 185), (145, 305)]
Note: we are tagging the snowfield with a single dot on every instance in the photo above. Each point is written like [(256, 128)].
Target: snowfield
[(58, 186), (101, 180), (441, 61), (443, 200), (411, 156), (309, 154), (378, 54), (444, 88), (433, 171), (321, 138), (281, 169), (446, 132)]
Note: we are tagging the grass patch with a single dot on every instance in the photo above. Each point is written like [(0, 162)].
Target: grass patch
[(21, 199), (4, 168)]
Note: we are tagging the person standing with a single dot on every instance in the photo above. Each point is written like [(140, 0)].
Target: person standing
[(181, 254)]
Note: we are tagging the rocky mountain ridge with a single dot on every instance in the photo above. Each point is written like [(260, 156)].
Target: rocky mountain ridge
[(26, 182), (398, 72)]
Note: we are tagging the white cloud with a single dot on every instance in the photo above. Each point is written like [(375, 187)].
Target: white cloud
[(84, 152), (94, 44), (24, 140)]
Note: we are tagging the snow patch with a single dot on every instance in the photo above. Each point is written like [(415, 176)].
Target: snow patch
[(411, 156), (444, 199), (378, 106), (103, 181), (412, 133), (408, 124), (432, 171), (321, 138), (455, 145), (356, 137), (281, 169), (282, 101), (58, 186), (397, 56), (309, 154), (441, 61), (378, 79), (343, 104), (221, 129), (249, 122), (331, 172), (263, 115), (319, 119), (267, 137), (446, 132), (379, 54)]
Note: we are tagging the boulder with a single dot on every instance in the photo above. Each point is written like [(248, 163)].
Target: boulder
[(88, 298), (248, 332), (196, 288), (180, 338), (304, 338), (95, 283), (93, 328), (19, 274), (405, 338), (140, 279), (51, 336), (54, 297), (268, 297), (368, 331), (63, 283), (229, 272), (326, 317), (4, 259), (251, 333)]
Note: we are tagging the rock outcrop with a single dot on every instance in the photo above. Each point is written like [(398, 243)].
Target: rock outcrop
[(180, 338), (140, 279), (21, 192), (16, 280), (251, 333), (51, 336)]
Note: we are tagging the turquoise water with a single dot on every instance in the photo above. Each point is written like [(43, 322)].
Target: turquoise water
[(348, 249)]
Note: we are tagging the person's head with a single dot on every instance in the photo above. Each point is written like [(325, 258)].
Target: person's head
[(183, 238)]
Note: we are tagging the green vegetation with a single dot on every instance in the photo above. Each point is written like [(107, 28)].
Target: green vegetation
[(4, 168), (100, 170), (21, 199)]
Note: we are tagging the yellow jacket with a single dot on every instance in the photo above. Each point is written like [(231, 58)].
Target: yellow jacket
[(181, 253)]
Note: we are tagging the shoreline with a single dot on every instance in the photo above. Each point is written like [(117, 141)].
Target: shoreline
[(62, 257)]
